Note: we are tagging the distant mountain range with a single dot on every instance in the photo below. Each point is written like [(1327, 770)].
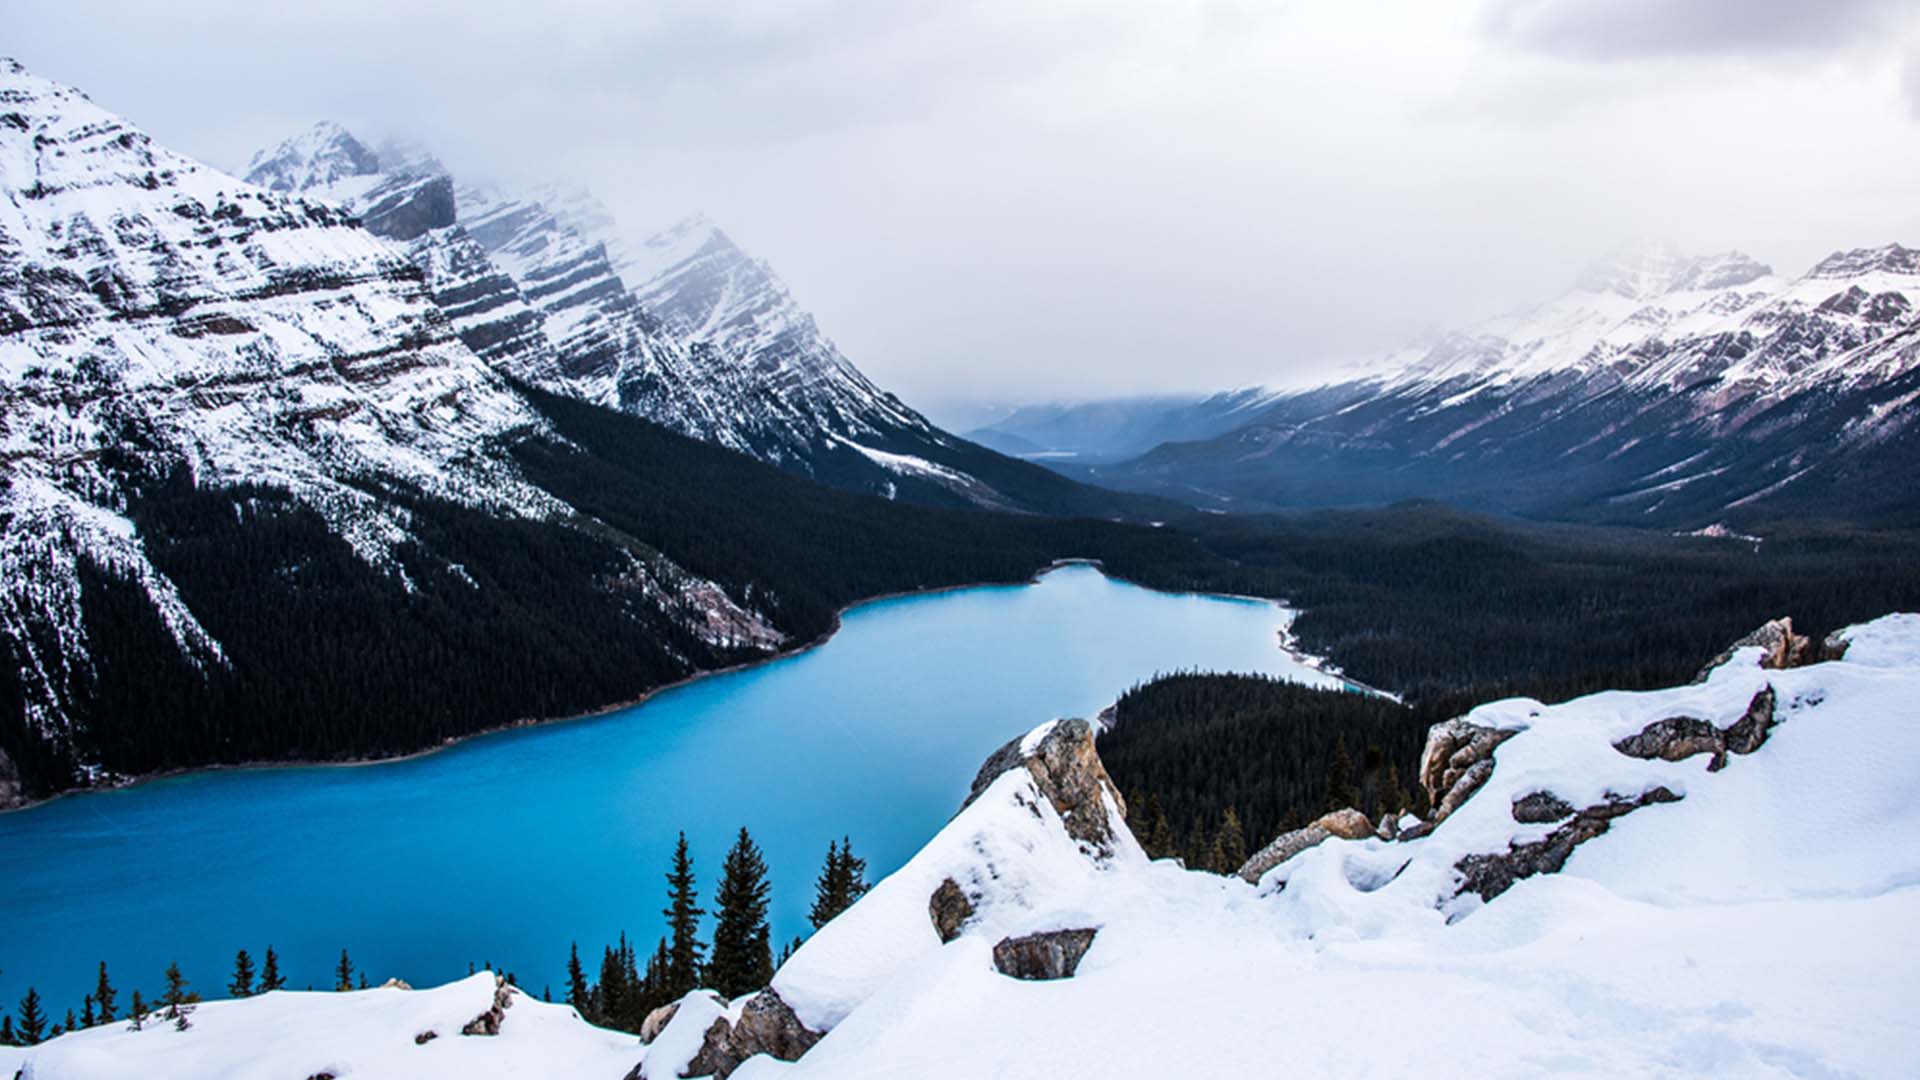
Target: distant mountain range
[(1662, 389)]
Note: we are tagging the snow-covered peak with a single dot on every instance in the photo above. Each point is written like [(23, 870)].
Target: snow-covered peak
[(1891, 259), (1649, 271), (319, 157)]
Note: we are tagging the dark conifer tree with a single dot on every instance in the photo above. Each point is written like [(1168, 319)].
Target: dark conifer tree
[(86, 1011), (1229, 844), (103, 995), (70, 1024), (343, 973), (786, 952), (576, 981), (137, 1012), (742, 948), (1341, 792), (270, 978), (683, 911), (178, 999), (33, 1020), (1157, 836), (611, 1001), (7, 1036), (843, 879), (242, 984)]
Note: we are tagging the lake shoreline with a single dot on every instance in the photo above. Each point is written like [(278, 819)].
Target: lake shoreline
[(1285, 645)]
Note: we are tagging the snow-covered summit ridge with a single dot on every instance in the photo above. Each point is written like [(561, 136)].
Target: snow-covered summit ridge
[(321, 156)]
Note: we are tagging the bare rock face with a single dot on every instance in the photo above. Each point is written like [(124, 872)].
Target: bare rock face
[(1491, 875), (950, 907), (488, 1023), (657, 1021), (1835, 647), (1541, 807), (1051, 954), (766, 1025), (1677, 738), (1783, 648), (1068, 773), (1458, 758), (1347, 824)]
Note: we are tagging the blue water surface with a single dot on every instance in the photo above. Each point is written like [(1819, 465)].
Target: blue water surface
[(508, 847)]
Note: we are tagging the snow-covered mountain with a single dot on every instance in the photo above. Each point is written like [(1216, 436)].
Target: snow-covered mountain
[(682, 327), (164, 324), (1716, 879), (1661, 389)]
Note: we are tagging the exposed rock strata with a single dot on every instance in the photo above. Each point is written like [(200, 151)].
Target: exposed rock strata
[(1490, 875), (1677, 738), (1068, 772), (1457, 759), (1347, 824), (766, 1025)]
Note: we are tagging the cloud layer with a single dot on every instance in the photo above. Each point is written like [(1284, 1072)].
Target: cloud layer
[(1061, 197)]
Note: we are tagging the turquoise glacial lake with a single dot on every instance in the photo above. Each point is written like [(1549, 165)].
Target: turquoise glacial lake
[(506, 847)]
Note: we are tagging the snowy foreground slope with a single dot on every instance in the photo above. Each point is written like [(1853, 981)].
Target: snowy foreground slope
[(1755, 919)]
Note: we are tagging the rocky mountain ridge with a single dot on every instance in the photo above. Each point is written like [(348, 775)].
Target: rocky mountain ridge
[(1661, 390), (681, 327)]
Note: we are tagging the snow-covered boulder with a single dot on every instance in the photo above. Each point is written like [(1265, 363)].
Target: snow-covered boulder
[(1347, 824)]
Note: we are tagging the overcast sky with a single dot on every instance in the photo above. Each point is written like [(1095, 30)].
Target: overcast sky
[(1020, 199)]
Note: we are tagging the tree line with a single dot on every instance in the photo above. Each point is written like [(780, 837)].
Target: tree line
[(738, 959)]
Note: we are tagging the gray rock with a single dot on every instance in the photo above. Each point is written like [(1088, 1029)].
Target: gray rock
[(1347, 824), (1541, 807), (1491, 875), (657, 1021), (1457, 759), (949, 908), (767, 1025), (488, 1023), (1677, 738), (1068, 772), (1835, 647), (1052, 954), (1783, 648)]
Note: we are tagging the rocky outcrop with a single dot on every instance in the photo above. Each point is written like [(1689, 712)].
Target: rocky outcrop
[(950, 907), (1541, 808), (1051, 954), (1782, 648), (657, 1021), (1677, 738), (1068, 772), (1457, 759), (1490, 875), (1347, 824), (766, 1025), (488, 1023)]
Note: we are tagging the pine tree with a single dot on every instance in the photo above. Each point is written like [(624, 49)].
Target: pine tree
[(742, 951), (70, 1024), (842, 881), (683, 913), (786, 953), (178, 999), (1395, 801), (1229, 844), (270, 978), (576, 981), (1157, 838), (33, 1021), (343, 973), (1340, 790), (611, 1004), (86, 1011), (103, 995), (7, 1036), (138, 1012), (242, 984)]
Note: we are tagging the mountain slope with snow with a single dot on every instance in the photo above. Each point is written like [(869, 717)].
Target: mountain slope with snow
[(1661, 390), (683, 328), (1709, 880)]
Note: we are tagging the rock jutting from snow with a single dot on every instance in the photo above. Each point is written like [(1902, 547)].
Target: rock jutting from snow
[(765, 1025), (1457, 759), (1068, 772), (1347, 824), (950, 907), (1050, 954), (1489, 875), (488, 1023), (1677, 738), (1782, 648), (657, 1021)]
